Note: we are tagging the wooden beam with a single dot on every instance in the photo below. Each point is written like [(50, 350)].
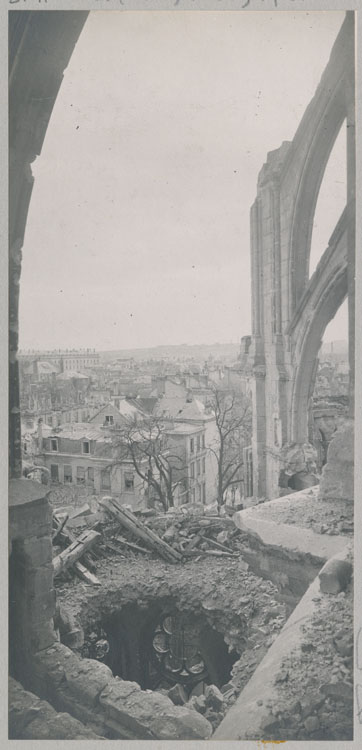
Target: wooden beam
[(85, 574), (71, 554), (133, 524)]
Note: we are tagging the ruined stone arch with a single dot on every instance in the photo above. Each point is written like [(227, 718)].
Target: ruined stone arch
[(325, 293), (290, 310), (327, 120), (334, 293)]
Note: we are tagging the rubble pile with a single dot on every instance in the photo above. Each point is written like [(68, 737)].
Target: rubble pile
[(212, 704), (315, 683), (307, 510), (82, 537)]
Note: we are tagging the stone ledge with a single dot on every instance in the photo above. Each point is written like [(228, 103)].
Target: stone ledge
[(287, 537), (88, 689)]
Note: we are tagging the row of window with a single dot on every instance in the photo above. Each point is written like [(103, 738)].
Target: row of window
[(199, 445), (85, 475), (197, 467), (198, 494)]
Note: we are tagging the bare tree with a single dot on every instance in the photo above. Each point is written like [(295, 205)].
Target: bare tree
[(154, 458), (234, 426)]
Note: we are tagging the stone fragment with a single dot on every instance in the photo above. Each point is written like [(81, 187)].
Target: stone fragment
[(214, 698), (312, 723), (214, 717), (74, 638), (338, 690), (222, 537), (335, 576), (282, 676), (344, 644), (269, 723), (227, 687), (169, 534), (177, 694)]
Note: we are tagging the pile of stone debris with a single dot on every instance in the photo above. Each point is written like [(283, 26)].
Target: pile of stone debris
[(212, 704), (81, 537)]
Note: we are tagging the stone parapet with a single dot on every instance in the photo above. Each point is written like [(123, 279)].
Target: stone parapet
[(288, 554), (112, 707)]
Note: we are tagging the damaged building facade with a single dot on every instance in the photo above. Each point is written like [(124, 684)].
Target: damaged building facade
[(305, 572)]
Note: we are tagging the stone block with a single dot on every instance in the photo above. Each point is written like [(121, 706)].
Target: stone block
[(214, 698), (335, 576), (181, 724), (49, 666), (150, 715), (113, 700), (86, 680), (73, 638)]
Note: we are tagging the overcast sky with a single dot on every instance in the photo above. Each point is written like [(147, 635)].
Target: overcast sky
[(138, 228)]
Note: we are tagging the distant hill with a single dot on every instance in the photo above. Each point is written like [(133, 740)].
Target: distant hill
[(199, 352)]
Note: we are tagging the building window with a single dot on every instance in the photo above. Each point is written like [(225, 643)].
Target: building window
[(203, 441), (80, 475), (198, 468), (193, 495), (129, 481), (54, 472), (192, 445), (68, 477), (90, 475), (192, 468), (109, 419), (199, 493), (198, 443), (203, 466), (54, 444), (204, 493), (85, 446), (106, 479)]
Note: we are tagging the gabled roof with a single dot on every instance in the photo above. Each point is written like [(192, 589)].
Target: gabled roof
[(126, 410), (179, 408)]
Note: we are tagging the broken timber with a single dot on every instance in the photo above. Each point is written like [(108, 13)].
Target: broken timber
[(133, 524), (72, 553), (85, 574), (132, 546)]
